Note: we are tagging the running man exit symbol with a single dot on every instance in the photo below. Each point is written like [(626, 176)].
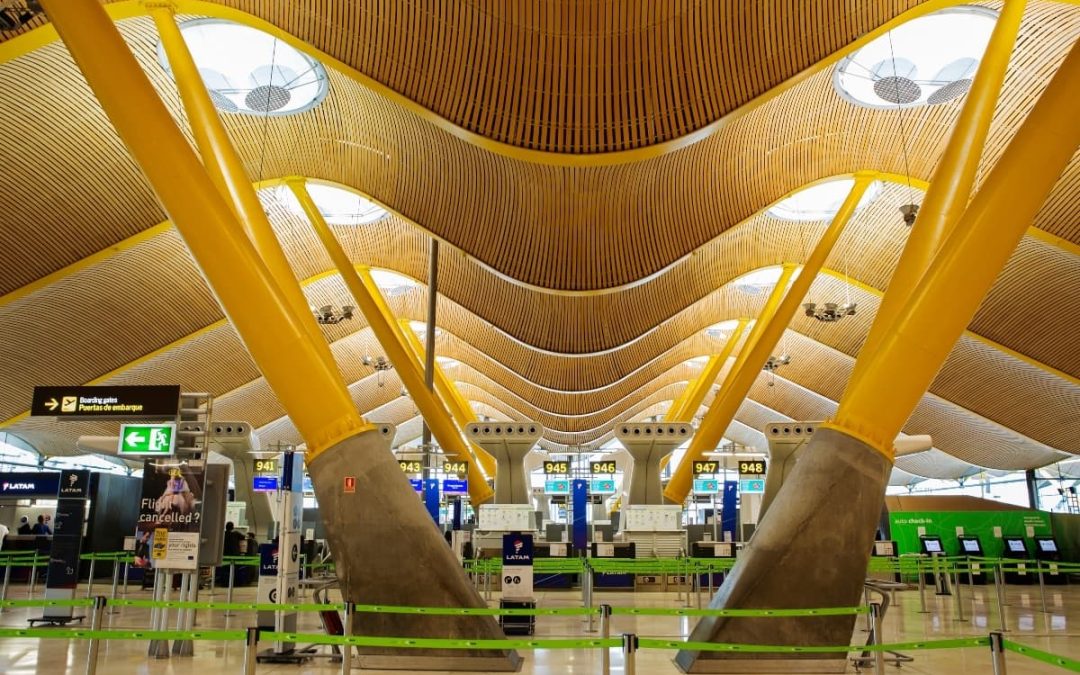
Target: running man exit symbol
[(350, 485)]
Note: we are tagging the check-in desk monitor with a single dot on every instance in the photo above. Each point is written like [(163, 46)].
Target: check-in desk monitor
[(1016, 548), (931, 545), (884, 549), (970, 546), (1048, 554)]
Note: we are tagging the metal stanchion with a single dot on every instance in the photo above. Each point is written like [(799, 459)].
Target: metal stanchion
[(127, 568), (213, 581), (605, 633), (629, 651), (346, 649), (115, 583), (232, 580), (697, 588), (251, 650), (33, 576), (587, 589), (999, 584), (7, 581), (997, 653), (959, 595), (869, 617), (922, 586), (879, 639), (1042, 586), (90, 581), (487, 581), (95, 643)]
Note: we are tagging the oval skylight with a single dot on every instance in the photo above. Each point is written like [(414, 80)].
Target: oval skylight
[(392, 283), (761, 280), (928, 60), (721, 331), (420, 328), (339, 206), (249, 71), (821, 201)]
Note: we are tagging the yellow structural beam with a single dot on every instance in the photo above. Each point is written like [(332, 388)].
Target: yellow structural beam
[(373, 306), (227, 173), (314, 397), (759, 347), (875, 408), (459, 408), (950, 187), (694, 394)]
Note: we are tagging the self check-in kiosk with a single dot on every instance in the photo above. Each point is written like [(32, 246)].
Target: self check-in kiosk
[(971, 547), (885, 549), (1047, 553), (1018, 570), (935, 574)]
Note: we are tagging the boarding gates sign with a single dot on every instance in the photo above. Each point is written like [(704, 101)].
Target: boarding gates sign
[(105, 402), (517, 566)]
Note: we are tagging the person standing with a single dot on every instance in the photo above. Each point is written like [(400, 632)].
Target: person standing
[(24, 526), (40, 528), (3, 533)]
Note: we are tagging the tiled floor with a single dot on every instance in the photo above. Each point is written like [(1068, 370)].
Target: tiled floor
[(1057, 630)]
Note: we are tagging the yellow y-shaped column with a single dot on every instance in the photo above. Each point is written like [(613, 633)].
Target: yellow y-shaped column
[(226, 171), (695, 392), (763, 339), (380, 534), (388, 332), (829, 506), (950, 187), (459, 408)]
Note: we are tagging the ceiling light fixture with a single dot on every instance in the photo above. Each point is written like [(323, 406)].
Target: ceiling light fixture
[(380, 364), (830, 311), (328, 316)]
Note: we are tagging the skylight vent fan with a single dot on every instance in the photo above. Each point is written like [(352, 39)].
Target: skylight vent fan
[(270, 92), (894, 81), (957, 76)]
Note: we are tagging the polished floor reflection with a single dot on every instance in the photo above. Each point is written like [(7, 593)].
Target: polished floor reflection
[(1055, 630)]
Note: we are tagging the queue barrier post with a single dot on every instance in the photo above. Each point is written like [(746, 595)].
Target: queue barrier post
[(629, 651), (33, 575), (605, 633), (922, 585), (1042, 586), (232, 580), (346, 649), (90, 581), (875, 622), (7, 580), (95, 643), (115, 583), (999, 587), (959, 588), (997, 652), (587, 592), (251, 650)]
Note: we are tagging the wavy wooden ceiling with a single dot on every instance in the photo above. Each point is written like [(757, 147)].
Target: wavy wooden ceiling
[(665, 235)]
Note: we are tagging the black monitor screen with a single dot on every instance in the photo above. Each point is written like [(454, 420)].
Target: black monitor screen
[(971, 545), (1048, 546), (932, 545), (1016, 545)]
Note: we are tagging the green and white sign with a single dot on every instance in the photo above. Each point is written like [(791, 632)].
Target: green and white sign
[(147, 439)]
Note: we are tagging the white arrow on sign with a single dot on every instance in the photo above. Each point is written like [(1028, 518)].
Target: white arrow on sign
[(134, 438), (51, 404)]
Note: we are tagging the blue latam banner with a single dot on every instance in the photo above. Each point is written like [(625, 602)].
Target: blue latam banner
[(517, 549), (30, 484)]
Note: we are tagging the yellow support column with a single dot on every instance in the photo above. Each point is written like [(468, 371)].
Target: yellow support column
[(370, 301), (314, 397), (926, 328), (227, 172), (459, 409), (696, 391), (950, 187), (738, 382)]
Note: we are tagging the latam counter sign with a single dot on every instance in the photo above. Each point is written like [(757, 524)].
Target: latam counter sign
[(517, 571), (29, 484)]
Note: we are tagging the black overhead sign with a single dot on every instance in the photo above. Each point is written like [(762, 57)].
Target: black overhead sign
[(156, 401)]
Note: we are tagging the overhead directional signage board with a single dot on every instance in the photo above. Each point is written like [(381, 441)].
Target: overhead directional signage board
[(706, 467), (122, 402), (455, 466), (606, 466), (147, 439), (556, 467), (751, 467)]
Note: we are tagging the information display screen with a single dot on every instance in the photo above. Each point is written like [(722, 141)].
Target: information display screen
[(455, 488), (971, 546), (557, 487), (264, 483), (1016, 545), (602, 487), (1047, 545), (885, 548), (706, 486), (932, 545)]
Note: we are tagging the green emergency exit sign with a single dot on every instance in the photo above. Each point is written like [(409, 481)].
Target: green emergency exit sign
[(147, 439)]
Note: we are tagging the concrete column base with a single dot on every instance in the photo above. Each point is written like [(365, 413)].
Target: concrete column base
[(810, 550), (387, 551)]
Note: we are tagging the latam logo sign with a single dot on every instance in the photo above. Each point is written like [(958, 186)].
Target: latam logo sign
[(29, 484)]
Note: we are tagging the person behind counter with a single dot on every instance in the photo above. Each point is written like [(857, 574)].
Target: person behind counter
[(24, 526), (41, 527)]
